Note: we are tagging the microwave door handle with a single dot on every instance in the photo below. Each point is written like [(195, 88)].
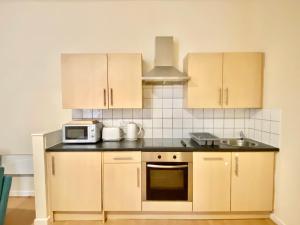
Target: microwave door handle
[(166, 166)]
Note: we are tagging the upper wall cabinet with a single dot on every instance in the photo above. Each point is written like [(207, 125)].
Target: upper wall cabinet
[(242, 80), (224, 80), (101, 81), (124, 80), (205, 86), (84, 81)]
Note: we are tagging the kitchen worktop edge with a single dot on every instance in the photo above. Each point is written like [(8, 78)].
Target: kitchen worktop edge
[(156, 145)]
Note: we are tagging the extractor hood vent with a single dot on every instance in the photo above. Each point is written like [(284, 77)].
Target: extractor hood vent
[(164, 71)]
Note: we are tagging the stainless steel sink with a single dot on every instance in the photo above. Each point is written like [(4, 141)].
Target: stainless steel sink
[(239, 143)]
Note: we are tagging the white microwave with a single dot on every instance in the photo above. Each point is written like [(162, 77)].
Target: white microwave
[(81, 132)]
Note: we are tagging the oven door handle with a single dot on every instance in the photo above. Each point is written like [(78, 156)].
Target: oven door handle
[(166, 166)]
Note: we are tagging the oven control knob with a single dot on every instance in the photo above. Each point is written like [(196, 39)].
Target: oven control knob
[(174, 156), (159, 156)]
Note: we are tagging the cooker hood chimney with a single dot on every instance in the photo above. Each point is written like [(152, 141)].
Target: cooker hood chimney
[(164, 71)]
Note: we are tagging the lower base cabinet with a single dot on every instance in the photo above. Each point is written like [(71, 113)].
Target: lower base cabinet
[(222, 181), (122, 181), (211, 182), (252, 181), (236, 182), (75, 181)]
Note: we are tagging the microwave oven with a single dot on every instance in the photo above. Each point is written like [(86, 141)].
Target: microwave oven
[(82, 132)]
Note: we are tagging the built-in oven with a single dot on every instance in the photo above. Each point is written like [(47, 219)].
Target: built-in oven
[(167, 176)]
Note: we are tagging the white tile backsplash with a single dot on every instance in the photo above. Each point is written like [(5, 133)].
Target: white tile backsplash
[(187, 113), (163, 116), (264, 125), (87, 113), (97, 114), (208, 113), (157, 123), (137, 113), (167, 103), (127, 113), (77, 114), (157, 113), (218, 113), (177, 123), (157, 103), (167, 113), (177, 103), (167, 123), (117, 113), (229, 113), (177, 113), (187, 123), (147, 113), (167, 91)]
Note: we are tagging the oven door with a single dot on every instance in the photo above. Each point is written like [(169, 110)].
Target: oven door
[(76, 134), (167, 181)]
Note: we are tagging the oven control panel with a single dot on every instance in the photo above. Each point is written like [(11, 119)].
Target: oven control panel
[(167, 156)]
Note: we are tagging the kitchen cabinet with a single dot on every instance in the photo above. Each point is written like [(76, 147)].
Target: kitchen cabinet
[(211, 181), (242, 80), (84, 81), (124, 80), (252, 181), (74, 179), (205, 86), (224, 80), (101, 81), (122, 181)]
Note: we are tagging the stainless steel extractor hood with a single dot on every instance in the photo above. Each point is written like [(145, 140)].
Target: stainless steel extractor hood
[(164, 71)]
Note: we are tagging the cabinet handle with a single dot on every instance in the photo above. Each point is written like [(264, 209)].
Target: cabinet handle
[(111, 97), (104, 98), (53, 165), (138, 177), (220, 96), (227, 96), (213, 158), (236, 171), (123, 158)]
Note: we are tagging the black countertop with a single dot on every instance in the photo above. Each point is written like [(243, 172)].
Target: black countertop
[(156, 145)]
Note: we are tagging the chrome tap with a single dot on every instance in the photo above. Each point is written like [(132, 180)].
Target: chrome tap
[(242, 135)]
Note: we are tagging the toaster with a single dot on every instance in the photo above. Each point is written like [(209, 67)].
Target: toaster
[(111, 134)]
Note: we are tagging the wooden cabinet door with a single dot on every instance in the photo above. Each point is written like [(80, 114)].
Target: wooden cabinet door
[(204, 89), (124, 80), (75, 181), (122, 187), (252, 181), (211, 182), (84, 81), (242, 80)]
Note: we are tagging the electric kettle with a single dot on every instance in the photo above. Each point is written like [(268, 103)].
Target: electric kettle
[(133, 131)]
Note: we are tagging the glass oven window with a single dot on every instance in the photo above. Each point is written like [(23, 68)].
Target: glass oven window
[(76, 132), (165, 183)]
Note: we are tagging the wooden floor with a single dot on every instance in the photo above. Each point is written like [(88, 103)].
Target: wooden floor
[(21, 212)]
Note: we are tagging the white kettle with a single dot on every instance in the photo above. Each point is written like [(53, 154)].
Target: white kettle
[(133, 131)]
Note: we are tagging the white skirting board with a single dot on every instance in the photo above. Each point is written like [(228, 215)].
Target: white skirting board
[(22, 186), (20, 167), (276, 220), (17, 164)]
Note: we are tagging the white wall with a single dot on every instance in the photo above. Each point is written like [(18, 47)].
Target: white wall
[(34, 33), (276, 29)]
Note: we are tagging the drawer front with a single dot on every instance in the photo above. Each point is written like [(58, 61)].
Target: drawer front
[(122, 157)]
